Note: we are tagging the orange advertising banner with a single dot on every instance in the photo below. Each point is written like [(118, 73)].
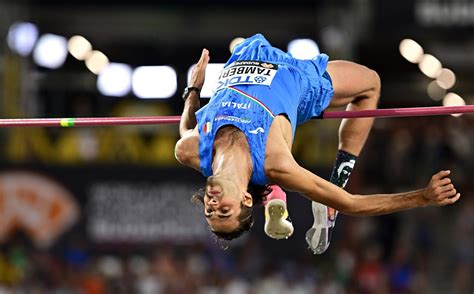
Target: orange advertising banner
[(39, 206)]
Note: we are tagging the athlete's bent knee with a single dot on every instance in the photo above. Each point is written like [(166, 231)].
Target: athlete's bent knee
[(376, 83), (372, 94)]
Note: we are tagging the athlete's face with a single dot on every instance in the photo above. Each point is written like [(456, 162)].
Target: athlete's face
[(223, 202)]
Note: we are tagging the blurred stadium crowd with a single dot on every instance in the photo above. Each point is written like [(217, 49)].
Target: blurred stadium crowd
[(426, 250)]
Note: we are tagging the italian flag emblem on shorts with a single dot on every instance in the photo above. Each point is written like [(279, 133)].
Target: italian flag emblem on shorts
[(207, 127)]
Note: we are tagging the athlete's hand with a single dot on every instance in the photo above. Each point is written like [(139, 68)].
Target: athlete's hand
[(440, 191), (199, 70)]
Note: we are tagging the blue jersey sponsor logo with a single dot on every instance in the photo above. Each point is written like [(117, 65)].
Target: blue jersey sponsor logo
[(247, 73)]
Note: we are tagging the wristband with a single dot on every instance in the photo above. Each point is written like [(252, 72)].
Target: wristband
[(188, 90)]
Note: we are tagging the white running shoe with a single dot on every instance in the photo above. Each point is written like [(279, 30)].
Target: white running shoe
[(277, 225), (318, 236)]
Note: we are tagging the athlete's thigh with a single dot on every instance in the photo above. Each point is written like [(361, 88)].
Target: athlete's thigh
[(350, 80)]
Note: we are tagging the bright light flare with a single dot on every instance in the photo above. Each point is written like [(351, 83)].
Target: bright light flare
[(79, 47), (234, 43), (430, 66), (452, 99), (115, 80), (435, 91), (51, 51), (446, 78), (154, 82), (411, 50), (96, 61), (22, 37), (303, 49)]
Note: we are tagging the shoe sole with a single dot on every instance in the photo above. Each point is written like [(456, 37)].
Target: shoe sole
[(274, 228), (318, 236)]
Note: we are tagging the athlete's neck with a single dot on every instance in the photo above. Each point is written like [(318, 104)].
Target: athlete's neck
[(232, 158)]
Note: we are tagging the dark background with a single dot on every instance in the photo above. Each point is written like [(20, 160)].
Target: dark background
[(427, 250)]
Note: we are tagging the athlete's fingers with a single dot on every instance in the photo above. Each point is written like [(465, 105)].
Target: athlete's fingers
[(442, 182), (447, 194), (204, 59), (443, 189), (440, 188), (199, 71), (205, 52), (450, 200), (440, 175)]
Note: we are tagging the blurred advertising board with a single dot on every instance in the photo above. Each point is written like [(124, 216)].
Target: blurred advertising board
[(38, 205), (111, 204)]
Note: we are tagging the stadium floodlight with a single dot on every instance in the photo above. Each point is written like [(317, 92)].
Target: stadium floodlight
[(51, 51), (154, 82), (115, 80), (303, 48), (22, 37)]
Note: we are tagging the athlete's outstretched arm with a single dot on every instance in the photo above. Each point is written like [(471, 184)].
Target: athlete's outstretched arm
[(192, 104), (440, 191), (186, 149)]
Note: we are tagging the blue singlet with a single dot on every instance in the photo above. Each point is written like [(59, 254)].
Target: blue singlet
[(258, 83)]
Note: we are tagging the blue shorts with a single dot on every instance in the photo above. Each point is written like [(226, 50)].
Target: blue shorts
[(318, 95)]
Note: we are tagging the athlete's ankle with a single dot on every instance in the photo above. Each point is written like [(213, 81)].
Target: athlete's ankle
[(342, 168)]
